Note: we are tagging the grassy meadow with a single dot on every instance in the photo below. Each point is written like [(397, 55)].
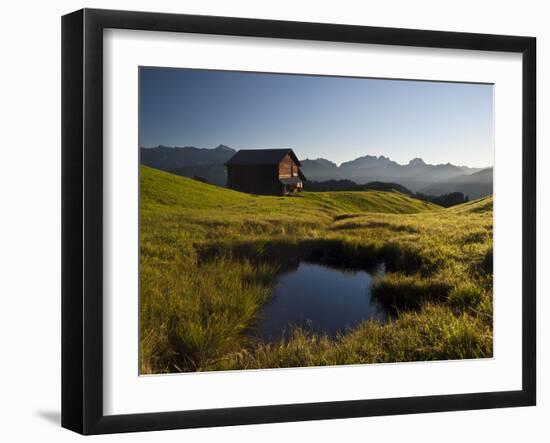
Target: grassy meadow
[(209, 258)]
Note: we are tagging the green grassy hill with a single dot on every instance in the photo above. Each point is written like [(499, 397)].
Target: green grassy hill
[(158, 187), (480, 206), (210, 256)]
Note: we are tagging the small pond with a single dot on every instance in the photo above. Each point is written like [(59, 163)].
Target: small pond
[(322, 299)]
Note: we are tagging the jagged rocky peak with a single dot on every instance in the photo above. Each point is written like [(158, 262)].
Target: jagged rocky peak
[(320, 166), (369, 161), (327, 163)]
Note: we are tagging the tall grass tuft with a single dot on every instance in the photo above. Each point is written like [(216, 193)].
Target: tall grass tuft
[(201, 315), (401, 291), (466, 295)]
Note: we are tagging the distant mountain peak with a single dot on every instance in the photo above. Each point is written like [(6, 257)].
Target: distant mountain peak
[(224, 148), (417, 162), (368, 161), (319, 164)]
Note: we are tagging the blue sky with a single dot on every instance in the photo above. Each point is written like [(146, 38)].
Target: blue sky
[(337, 118)]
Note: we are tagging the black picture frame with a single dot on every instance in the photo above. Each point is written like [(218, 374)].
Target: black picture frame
[(82, 218)]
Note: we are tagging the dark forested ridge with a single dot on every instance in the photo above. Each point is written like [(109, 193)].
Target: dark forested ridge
[(476, 185)]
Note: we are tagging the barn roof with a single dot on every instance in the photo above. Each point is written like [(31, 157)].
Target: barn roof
[(261, 157)]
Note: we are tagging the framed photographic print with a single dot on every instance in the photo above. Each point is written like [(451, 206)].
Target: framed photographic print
[(269, 221)]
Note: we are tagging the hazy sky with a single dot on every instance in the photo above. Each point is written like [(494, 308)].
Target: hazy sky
[(336, 118)]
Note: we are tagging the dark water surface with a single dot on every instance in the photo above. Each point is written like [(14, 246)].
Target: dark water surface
[(323, 299)]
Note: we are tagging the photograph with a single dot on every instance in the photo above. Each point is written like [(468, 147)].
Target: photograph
[(294, 220)]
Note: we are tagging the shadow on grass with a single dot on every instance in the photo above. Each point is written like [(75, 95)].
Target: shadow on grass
[(336, 253)]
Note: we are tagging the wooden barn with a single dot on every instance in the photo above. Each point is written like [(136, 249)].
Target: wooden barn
[(265, 171)]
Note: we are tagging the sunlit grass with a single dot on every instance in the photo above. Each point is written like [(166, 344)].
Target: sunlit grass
[(210, 256)]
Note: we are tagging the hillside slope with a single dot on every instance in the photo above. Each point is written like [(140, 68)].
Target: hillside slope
[(190, 161), (161, 188), (480, 206), (476, 185), (209, 258)]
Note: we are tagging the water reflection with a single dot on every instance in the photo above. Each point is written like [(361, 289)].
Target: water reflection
[(323, 299)]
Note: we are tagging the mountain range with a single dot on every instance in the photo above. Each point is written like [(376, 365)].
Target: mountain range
[(189, 161), (416, 175)]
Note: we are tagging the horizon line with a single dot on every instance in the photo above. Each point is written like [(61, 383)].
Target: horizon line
[(321, 158)]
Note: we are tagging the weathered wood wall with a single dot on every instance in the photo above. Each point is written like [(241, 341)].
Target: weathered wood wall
[(287, 167)]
